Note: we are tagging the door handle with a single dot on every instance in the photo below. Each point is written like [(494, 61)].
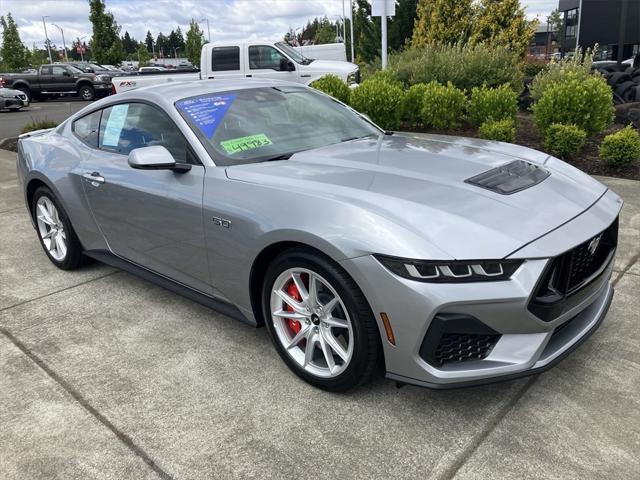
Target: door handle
[(305, 75), (94, 177), (248, 75)]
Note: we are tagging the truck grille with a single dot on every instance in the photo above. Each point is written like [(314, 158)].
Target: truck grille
[(572, 271)]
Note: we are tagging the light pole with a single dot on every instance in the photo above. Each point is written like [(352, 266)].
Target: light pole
[(64, 45), (47, 37), (208, 29), (353, 60), (81, 47), (383, 24)]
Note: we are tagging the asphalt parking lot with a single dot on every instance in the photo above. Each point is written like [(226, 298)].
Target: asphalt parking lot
[(104, 375), (12, 123)]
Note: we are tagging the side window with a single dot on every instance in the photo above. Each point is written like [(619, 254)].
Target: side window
[(225, 59), (129, 126), (87, 127), (264, 57), (45, 71), (58, 71)]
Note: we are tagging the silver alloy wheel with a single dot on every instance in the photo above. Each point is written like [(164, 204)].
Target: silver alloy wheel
[(86, 94), (323, 344), (51, 228)]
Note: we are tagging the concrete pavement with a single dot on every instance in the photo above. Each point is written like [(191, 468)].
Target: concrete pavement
[(104, 375)]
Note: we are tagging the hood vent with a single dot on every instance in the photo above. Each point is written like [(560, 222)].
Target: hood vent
[(510, 178)]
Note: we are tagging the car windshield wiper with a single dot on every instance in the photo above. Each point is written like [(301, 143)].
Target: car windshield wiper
[(284, 156), (356, 138)]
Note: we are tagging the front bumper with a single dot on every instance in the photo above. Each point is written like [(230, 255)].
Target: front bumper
[(17, 101), (525, 343)]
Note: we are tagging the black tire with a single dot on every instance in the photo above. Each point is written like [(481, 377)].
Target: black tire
[(87, 93), (367, 348), (26, 91), (617, 78), (74, 257)]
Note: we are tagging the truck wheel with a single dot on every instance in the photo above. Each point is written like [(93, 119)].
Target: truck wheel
[(87, 93)]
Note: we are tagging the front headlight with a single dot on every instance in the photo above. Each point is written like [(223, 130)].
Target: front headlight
[(454, 271), (353, 77)]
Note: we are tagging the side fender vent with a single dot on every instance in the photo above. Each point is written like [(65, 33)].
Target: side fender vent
[(510, 178)]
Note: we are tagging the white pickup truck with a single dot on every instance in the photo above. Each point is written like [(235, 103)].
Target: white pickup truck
[(255, 59)]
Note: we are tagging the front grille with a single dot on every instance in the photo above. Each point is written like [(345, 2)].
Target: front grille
[(456, 347), (568, 274)]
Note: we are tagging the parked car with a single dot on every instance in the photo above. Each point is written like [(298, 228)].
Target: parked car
[(11, 99), (89, 67), (451, 261), (255, 59), (57, 79), (151, 69)]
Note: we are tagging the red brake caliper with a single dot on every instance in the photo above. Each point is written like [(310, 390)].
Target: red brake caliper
[(293, 292)]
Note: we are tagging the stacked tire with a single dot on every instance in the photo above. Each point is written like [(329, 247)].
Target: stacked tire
[(624, 81)]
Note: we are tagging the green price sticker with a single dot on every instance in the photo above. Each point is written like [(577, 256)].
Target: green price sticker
[(242, 144)]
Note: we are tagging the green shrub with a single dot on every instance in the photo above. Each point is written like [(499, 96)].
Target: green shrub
[(500, 130), (442, 106), (334, 86), (493, 104), (587, 103), (532, 68), (564, 140), (38, 125), (386, 76), (413, 101), (381, 100), (577, 67), (622, 147), (466, 66)]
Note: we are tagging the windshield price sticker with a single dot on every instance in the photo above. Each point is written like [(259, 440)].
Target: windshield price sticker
[(206, 112), (242, 144)]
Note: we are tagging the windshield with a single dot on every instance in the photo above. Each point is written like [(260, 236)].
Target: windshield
[(260, 124), (74, 69), (294, 54)]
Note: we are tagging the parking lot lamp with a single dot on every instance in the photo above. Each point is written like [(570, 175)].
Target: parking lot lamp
[(208, 29), (47, 38), (64, 44)]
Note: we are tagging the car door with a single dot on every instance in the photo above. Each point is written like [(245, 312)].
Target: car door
[(150, 217), (46, 79), (265, 61), (61, 79)]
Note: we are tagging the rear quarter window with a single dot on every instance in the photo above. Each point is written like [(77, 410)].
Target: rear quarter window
[(87, 128), (224, 59)]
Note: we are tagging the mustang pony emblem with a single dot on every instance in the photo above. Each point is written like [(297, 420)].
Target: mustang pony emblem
[(593, 244)]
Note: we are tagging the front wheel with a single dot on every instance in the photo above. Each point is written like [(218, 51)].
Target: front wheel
[(319, 321)]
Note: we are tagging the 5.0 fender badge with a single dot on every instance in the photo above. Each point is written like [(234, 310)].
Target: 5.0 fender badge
[(221, 222)]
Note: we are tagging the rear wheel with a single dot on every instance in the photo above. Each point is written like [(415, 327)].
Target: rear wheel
[(55, 232), (319, 321)]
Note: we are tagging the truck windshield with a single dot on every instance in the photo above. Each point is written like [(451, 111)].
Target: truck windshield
[(271, 123), (294, 54)]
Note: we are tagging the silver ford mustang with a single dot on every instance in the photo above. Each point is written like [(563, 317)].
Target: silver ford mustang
[(443, 261)]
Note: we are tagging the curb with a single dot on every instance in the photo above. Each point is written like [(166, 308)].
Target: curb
[(6, 140)]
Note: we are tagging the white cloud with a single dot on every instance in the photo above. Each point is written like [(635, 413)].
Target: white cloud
[(228, 19)]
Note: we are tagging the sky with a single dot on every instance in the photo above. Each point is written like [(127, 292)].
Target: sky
[(228, 19)]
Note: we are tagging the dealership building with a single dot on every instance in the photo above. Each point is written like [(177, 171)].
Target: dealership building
[(608, 23)]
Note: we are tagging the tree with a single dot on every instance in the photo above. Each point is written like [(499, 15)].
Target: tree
[(193, 43), (143, 55), (14, 55), (442, 21), (148, 40), (105, 43), (504, 23), (129, 44), (400, 27), (326, 32)]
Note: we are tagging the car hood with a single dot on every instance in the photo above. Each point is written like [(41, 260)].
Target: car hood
[(418, 182), (329, 66), (9, 92)]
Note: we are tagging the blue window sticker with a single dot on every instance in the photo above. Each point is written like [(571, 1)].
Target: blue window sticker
[(206, 112), (115, 123)]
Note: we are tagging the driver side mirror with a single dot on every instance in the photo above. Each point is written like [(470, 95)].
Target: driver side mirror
[(287, 65), (155, 157), (66, 74)]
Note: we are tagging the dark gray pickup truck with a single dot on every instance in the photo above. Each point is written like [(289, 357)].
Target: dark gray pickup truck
[(51, 80)]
